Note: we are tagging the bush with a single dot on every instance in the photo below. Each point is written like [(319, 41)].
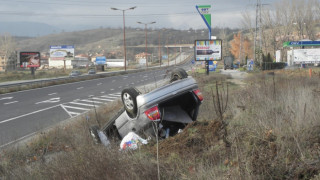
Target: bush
[(273, 65)]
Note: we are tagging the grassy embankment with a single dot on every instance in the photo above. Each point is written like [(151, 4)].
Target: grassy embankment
[(270, 130)]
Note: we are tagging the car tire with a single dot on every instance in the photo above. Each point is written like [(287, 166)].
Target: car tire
[(178, 73), (128, 97), (93, 130)]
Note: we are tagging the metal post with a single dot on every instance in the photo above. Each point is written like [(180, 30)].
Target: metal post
[(145, 28), (175, 45), (124, 34), (159, 50), (124, 43)]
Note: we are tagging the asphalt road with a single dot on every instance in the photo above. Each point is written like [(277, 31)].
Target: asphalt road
[(27, 112)]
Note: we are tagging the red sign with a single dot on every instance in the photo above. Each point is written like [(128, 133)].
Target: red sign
[(29, 59)]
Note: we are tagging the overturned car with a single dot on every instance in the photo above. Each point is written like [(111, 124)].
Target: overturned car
[(161, 112)]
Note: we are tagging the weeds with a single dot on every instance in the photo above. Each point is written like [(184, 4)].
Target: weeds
[(273, 130)]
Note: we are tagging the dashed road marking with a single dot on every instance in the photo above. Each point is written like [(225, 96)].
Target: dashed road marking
[(99, 84), (10, 102), (52, 94), (5, 98), (52, 100), (80, 88)]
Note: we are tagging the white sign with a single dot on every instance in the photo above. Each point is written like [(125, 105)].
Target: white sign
[(307, 56), (62, 52), (278, 56)]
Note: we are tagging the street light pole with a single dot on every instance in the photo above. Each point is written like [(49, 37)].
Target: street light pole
[(124, 34), (159, 49), (145, 28)]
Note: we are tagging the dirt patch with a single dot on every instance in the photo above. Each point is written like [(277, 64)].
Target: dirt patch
[(198, 139)]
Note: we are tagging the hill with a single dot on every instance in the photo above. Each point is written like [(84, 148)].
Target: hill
[(106, 40)]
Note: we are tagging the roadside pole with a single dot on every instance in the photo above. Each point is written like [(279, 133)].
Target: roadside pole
[(203, 10)]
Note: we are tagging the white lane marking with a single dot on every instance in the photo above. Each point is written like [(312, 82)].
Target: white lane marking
[(6, 98), (75, 113), (120, 87), (52, 100), (111, 89), (90, 95), (82, 104), (99, 84), (108, 100), (80, 88), (73, 107), (10, 102), (62, 106), (132, 83), (52, 94), (7, 120), (115, 94), (110, 97), (102, 92), (87, 100), (113, 80), (17, 140)]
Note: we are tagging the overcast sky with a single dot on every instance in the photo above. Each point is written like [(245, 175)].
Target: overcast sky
[(90, 14)]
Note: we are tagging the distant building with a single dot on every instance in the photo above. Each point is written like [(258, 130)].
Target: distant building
[(44, 60), (140, 56), (8, 62), (81, 60)]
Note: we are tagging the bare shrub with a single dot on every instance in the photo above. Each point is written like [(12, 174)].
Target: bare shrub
[(275, 134)]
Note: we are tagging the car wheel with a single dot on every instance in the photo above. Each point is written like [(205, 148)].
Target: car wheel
[(129, 101), (177, 74), (93, 130)]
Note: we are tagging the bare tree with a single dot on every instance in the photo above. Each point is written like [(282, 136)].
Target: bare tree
[(7, 48), (225, 44), (247, 24), (310, 19)]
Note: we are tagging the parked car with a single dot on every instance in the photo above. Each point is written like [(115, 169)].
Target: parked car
[(169, 108), (75, 73), (92, 71)]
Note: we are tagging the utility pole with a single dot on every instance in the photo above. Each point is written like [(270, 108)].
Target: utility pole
[(146, 49), (124, 33), (159, 49), (258, 33), (240, 49)]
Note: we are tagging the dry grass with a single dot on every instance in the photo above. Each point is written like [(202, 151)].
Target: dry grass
[(273, 130)]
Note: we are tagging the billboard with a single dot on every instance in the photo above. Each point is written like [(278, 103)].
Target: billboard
[(306, 56), (64, 52), (100, 60), (29, 59), (208, 50)]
